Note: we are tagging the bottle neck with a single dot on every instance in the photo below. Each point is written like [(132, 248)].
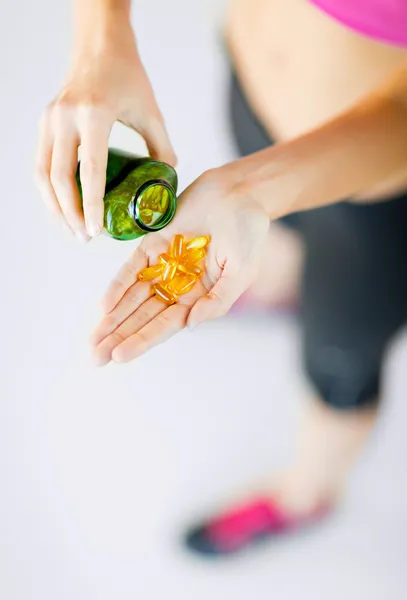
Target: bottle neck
[(154, 205)]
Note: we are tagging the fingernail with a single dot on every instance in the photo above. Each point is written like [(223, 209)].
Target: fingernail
[(193, 326), (99, 360), (82, 237), (93, 229), (117, 357)]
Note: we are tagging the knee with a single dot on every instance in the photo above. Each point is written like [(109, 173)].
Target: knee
[(345, 378)]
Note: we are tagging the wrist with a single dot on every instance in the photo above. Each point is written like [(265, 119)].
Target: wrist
[(276, 179), (102, 27)]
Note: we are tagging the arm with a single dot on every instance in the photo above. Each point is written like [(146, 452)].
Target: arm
[(358, 150), (233, 204), (106, 83)]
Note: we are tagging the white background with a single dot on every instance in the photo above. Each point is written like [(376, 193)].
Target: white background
[(100, 469)]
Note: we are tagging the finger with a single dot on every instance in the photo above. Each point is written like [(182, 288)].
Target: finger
[(158, 142), (63, 170), (138, 293), (143, 315), (168, 322), (124, 279), (218, 301), (94, 151), (43, 169)]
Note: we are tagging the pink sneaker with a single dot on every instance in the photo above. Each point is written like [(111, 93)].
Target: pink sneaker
[(238, 528)]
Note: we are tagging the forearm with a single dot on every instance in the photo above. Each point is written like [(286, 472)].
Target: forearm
[(342, 158), (99, 22)]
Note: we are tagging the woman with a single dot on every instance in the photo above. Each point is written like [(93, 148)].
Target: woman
[(328, 81)]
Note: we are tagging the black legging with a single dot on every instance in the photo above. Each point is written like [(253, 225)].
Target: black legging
[(354, 282)]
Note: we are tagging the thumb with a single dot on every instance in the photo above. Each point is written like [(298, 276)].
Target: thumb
[(217, 302), (158, 142)]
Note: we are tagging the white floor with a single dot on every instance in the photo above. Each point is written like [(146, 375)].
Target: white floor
[(99, 469)]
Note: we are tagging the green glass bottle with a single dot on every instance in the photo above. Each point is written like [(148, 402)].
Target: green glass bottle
[(140, 195)]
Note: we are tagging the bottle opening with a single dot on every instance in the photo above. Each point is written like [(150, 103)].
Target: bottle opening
[(154, 205)]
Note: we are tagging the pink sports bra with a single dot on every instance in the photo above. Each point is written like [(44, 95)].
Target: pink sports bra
[(384, 20)]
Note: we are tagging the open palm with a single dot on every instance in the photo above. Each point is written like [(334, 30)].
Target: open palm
[(134, 320)]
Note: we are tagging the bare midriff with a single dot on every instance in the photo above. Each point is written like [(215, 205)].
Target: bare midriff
[(299, 67)]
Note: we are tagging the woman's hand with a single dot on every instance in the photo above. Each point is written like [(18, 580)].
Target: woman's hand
[(107, 83), (134, 321)]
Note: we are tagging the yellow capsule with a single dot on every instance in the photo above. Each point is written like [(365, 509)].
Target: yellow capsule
[(181, 284), (163, 201), (194, 255), (169, 270), (177, 281), (190, 268), (156, 199), (150, 273), (164, 294), (177, 246), (148, 198), (143, 204), (164, 258), (146, 215), (198, 242)]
